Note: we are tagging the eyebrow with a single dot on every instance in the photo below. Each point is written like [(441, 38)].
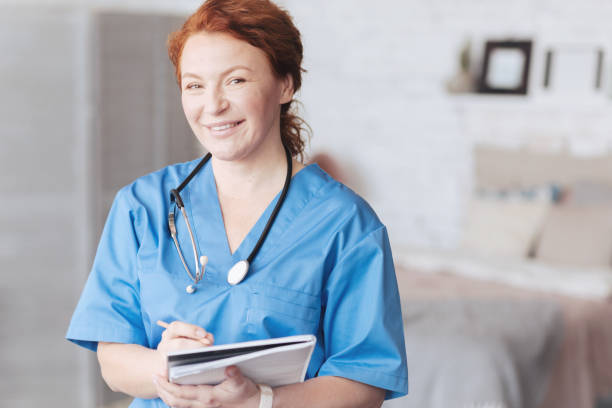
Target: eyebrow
[(227, 71)]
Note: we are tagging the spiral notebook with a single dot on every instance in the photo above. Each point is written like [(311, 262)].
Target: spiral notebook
[(276, 362)]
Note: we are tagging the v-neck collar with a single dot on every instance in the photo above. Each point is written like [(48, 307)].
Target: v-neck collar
[(204, 209), (250, 240)]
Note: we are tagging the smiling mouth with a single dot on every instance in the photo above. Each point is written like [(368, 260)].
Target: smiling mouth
[(226, 126)]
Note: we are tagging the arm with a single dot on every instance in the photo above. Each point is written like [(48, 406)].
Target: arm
[(129, 368), (332, 392)]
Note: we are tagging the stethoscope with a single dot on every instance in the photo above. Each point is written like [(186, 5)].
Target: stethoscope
[(237, 272)]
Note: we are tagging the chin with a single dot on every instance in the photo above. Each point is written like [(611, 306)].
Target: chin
[(234, 151), (225, 154)]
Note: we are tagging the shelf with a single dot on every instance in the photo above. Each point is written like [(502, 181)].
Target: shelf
[(539, 102)]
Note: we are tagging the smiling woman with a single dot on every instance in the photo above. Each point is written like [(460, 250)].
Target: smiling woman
[(308, 250), (264, 26)]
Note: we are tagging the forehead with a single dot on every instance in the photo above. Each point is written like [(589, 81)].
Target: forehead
[(213, 53)]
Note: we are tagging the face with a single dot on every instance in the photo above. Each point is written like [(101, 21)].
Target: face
[(231, 97)]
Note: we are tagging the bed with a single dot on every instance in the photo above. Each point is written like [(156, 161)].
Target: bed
[(520, 314)]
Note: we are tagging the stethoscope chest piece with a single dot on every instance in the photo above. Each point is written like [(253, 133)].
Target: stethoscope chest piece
[(237, 273), (190, 289)]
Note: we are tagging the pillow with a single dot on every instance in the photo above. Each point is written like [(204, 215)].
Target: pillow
[(503, 227), (546, 192), (577, 235)]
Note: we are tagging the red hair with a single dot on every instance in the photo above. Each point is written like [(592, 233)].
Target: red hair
[(264, 25)]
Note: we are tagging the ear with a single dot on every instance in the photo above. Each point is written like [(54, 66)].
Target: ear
[(286, 89)]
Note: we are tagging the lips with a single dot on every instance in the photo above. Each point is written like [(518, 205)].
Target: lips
[(222, 126)]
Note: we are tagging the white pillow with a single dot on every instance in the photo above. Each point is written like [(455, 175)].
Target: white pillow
[(506, 228), (578, 236)]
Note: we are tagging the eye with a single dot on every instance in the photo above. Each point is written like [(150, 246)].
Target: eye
[(236, 81), (193, 85)]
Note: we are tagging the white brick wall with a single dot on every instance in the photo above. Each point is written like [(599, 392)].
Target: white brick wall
[(375, 98)]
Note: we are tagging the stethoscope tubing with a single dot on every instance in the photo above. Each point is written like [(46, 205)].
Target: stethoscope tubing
[(175, 198), (276, 209)]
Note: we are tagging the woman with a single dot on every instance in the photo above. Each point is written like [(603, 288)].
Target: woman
[(319, 258)]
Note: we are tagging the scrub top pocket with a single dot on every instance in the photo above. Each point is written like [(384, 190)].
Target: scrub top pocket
[(277, 312)]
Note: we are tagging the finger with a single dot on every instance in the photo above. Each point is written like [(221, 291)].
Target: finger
[(185, 395), (177, 344), (182, 392), (167, 397), (182, 343), (182, 329)]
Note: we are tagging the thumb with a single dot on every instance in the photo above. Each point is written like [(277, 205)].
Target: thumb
[(234, 377)]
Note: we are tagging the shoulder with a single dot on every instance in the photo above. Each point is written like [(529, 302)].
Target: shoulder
[(336, 208), (147, 191), (336, 199), (145, 202)]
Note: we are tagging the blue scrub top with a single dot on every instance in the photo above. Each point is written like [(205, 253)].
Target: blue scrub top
[(325, 269)]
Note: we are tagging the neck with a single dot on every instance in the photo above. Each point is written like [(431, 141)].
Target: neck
[(251, 177)]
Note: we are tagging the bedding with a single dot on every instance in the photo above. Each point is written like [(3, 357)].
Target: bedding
[(503, 227), (476, 352), (571, 361), (582, 282)]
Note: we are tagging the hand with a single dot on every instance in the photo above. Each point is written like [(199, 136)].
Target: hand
[(180, 336), (236, 391)]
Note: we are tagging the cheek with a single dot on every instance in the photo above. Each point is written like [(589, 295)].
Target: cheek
[(190, 107), (252, 106), (262, 104)]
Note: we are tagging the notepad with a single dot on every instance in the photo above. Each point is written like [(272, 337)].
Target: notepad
[(276, 362)]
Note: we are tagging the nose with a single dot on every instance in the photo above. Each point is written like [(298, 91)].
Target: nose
[(215, 102)]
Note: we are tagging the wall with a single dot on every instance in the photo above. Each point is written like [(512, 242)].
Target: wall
[(44, 217), (375, 96)]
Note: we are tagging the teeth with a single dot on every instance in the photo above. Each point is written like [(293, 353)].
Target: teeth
[(229, 125)]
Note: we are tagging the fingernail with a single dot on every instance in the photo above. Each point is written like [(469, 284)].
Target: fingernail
[(200, 333), (154, 378)]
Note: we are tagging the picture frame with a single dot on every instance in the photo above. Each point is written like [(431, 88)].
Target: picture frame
[(574, 70), (505, 68)]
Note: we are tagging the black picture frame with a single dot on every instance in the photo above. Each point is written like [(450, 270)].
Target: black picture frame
[(515, 74)]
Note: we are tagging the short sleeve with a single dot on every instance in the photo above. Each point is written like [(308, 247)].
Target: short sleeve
[(109, 307), (363, 331)]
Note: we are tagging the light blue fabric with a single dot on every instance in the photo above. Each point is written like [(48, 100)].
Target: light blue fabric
[(325, 269)]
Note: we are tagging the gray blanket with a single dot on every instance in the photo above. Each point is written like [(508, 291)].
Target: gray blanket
[(492, 353)]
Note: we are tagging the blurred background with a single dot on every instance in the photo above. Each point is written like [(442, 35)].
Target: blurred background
[(465, 124)]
